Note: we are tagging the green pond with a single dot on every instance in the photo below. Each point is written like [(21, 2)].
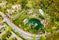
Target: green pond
[(34, 21)]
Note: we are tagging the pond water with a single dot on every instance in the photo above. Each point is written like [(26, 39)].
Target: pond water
[(34, 21)]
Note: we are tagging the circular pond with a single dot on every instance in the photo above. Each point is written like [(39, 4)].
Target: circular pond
[(35, 22)]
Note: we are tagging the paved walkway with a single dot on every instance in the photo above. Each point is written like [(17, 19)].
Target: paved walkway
[(22, 33)]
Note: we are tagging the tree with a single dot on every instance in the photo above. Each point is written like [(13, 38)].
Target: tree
[(43, 38), (34, 37)]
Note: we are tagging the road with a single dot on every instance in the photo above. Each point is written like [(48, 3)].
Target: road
[(13, 35), (15, 28)]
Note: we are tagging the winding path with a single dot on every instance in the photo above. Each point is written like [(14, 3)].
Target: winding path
[(22, 33)]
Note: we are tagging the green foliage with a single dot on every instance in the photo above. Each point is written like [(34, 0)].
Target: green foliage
[(11, 39), (3, 10), (9, 28), (28, 39), (17, 33), (42, 38), (50, 7), (23, 3), (6, 35), (30, 4), (12, 1), (34, 37), (54, 36)]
